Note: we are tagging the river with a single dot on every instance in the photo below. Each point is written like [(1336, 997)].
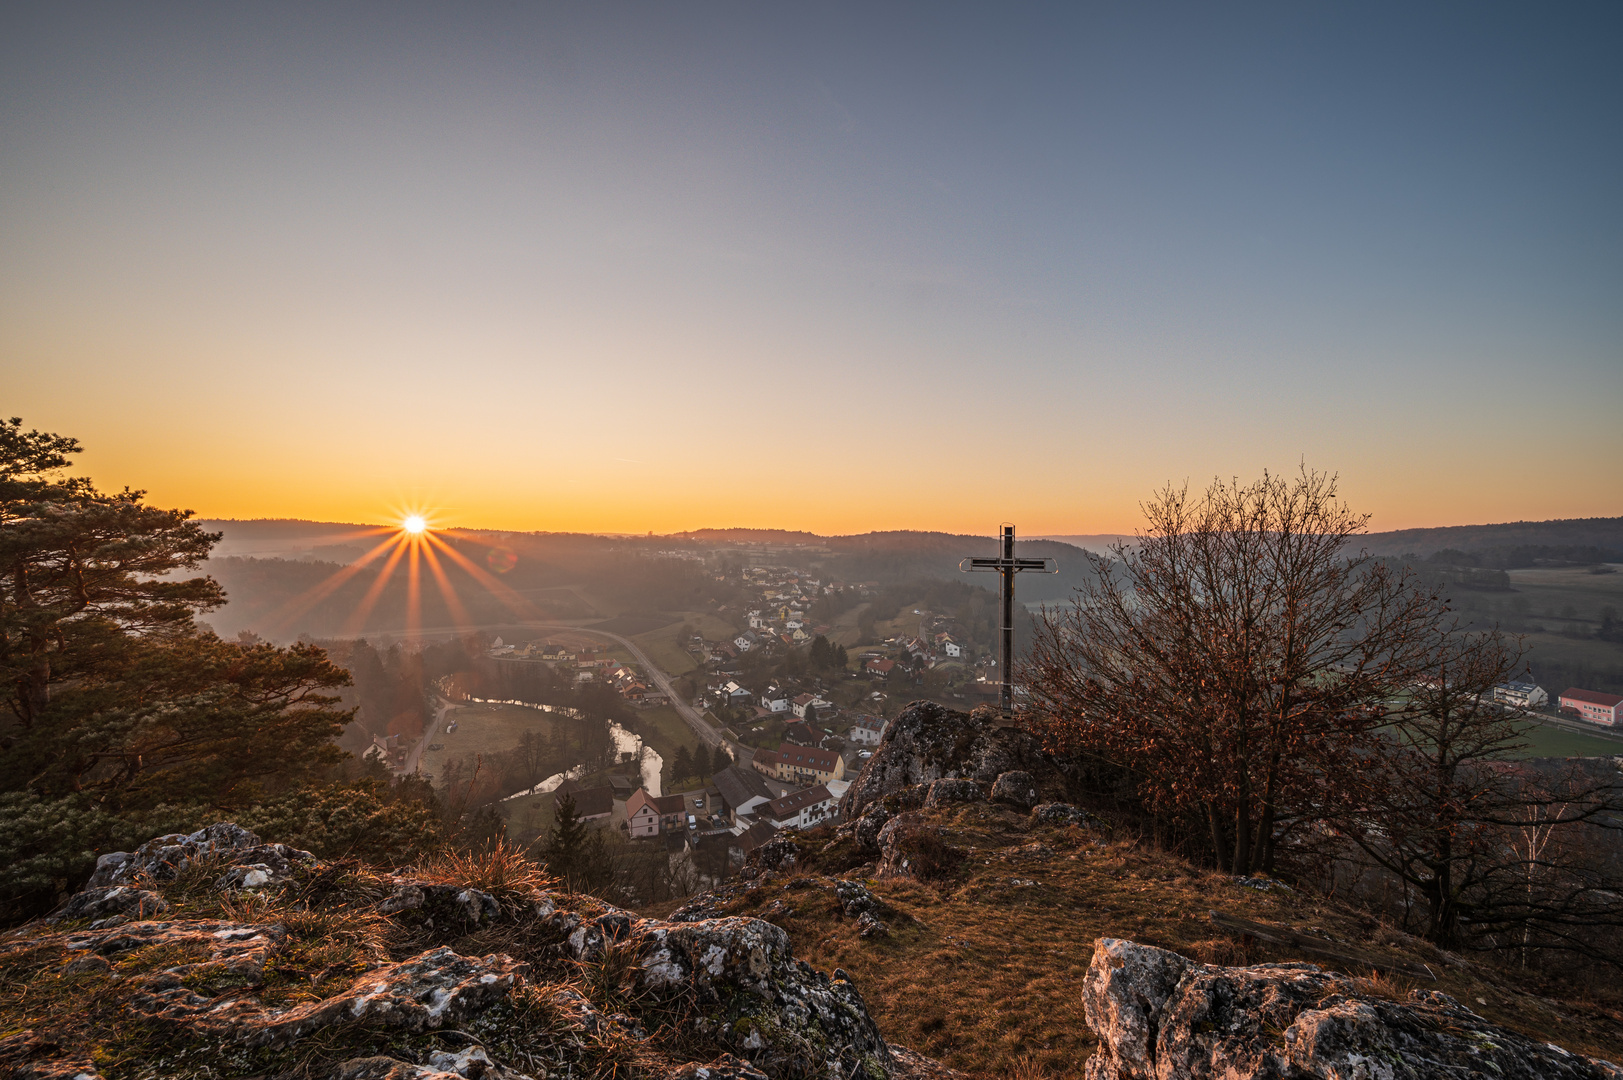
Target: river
[(625, 742)]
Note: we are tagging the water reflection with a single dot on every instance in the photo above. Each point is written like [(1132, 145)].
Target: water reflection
[(625, 742)]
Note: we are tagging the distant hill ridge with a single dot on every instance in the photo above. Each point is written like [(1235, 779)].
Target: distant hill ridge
[(1606, 533)]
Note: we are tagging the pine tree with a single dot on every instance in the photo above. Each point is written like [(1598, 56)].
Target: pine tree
[(701, 762), (681, 764), (565, 843), (119, 716)]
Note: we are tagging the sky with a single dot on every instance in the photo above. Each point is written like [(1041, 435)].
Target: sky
[(837, 267)]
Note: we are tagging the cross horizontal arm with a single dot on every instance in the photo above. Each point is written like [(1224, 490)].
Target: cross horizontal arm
[(1041, 566)]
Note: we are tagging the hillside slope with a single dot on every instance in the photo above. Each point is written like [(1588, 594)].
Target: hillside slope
[(982, 964)]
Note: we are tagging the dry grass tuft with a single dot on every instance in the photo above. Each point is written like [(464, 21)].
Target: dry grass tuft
[(500, 869)]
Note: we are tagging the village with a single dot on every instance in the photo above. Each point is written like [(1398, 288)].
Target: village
[(794, 717)]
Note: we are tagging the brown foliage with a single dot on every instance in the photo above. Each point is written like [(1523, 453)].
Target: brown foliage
[(1231, 659)]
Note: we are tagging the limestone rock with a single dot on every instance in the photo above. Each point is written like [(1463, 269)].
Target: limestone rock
[(429, 902), (1058, 814), (428, 991), (725, 1067), (854, 897), (1160, 1016), (908, 1064), (778, 853), (749, 991), (470, 1064), (1017, 788), (864, 829), (163, 857), (868, 926), (909, 846), (946, 791), (99, 903), (928, 742)]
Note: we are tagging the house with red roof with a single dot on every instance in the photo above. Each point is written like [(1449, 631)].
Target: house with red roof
[(1593, 705)]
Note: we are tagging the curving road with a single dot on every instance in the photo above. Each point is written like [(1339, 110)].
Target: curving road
[(690, 716)]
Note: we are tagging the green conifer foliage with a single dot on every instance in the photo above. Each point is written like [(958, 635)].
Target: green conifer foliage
[(119, 715)]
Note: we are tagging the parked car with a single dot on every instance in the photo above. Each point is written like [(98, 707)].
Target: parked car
[(693, 822), (699, 803), (865, 754)]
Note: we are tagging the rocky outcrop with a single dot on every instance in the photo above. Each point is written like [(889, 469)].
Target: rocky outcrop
[(1160, 1016), (247, 862), (749, 992), (243, 987), (1017, 789), (110, 901), (1059, 814), (928, 742), (947, 790)]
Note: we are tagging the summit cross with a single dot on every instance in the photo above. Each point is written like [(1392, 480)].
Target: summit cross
[(1008, 566)]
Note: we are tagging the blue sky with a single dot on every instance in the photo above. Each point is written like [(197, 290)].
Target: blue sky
[(827, 266)]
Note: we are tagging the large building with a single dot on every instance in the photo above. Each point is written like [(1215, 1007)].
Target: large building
[(803, 765), (591, 804), (1525, 695), (742, 791), (800, 809), (1592, 705)]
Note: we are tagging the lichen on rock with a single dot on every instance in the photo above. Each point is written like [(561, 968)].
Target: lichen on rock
[(1160, 1016)]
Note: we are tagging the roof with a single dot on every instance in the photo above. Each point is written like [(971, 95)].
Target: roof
[(796, 801), (754, 836), (803, 757), (739, 786), (590, 802), (1591, 697), (872, 723), (805, 699), (669, 804)]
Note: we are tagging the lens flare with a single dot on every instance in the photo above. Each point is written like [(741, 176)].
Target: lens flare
[(414, 525)]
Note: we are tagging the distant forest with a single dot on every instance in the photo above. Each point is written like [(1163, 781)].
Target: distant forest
[(1510, 546)]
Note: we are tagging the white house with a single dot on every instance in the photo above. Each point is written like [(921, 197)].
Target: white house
[(746, 641), (774, 701), (868, 730), (800, 809), (1524, 694), (954, 650), (802, 702)]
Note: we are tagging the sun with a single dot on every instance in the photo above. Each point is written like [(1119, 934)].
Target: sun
[(415, 525)]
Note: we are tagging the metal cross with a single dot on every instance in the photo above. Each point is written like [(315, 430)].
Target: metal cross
[(1007, 565)]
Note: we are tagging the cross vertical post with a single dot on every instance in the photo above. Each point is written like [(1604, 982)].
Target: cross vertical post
[(1006, 566)]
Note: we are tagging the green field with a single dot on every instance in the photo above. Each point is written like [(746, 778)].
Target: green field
[(664, 648), (482, 729), (663, 730), (1550, 591), (1546, 741)]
